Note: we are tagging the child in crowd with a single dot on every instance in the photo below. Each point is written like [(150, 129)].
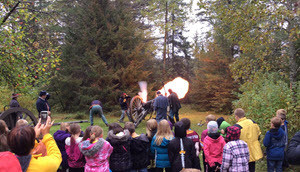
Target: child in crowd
[(235, 153), (213, 147), (191, 134), (60, 137), (222, 124), (181, 150), (96, 151), (21, 122), (120, 159), (87, 134), (76, 159), (139, 149), (159, 146), (274, 141), (281, 113), (208, 118), (151, 129), (3, 136)]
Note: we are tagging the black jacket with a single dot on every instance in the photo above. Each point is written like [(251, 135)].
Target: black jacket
[(41, 105), (140, 148), (120, 158), (190, 158), (174, 102), (293, 150), (123, 102)]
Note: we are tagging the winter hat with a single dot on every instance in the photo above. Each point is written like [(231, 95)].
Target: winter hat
[(212, 127), (233, 133)]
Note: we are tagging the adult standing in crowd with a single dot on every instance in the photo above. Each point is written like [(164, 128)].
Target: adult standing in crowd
[(161, 104), (42, 103), (293, 150), (250, 133), (174, 105), (15, 104), (96, 108), (123, 100)]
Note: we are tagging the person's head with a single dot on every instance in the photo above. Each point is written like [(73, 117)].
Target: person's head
[(87, 133), (233, 133), (180, 130), (212, 127), (275, 122), (158, 93), (3, 127), (21, 140), (43, 94), (123, 95), (64, 126), (239, 113), (130, 127), (220, 120), (21, 122), (151, 126), (96, 132), (170, 91), (14, 95), (209, 118), (113, 126), (281, 113), (163, 131), (186, 123), (75, 129)]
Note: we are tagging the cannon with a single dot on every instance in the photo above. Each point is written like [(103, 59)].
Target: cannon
[(138, 110)]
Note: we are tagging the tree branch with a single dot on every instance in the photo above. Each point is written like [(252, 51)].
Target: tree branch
[(8, 14)]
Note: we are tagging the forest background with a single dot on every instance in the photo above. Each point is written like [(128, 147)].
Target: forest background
[(84, 50)]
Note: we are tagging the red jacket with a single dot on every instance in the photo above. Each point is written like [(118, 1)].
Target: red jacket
[(9, 162), (213, 150)]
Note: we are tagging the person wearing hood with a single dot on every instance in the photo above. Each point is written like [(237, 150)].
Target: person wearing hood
[(213, 147), (235, 153), (120, 159), (274, 141), (139, 149), (181, 150), (222, 124), (96, 151)]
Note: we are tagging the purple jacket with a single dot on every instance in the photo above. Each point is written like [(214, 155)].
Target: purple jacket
[(60, 137), (75, 157)]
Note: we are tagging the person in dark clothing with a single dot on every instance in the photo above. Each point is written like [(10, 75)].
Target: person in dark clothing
[(139, 149), (96, 108), (42, 103), (274, 141), (174, 105), (120, 159), (123, 100), (15, 104), (160, 105), (181, 150), (293, 150)]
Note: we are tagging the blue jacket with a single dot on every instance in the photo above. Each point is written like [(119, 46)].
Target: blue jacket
[(41, 105), (274, 141), (161, 153), (285, 129)]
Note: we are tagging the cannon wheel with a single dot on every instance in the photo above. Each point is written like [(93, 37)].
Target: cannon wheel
[(136, 108), (7, 116)]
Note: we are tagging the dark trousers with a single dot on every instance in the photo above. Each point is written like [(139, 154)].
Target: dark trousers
[(174, 113), (274, 166), (252, 166), (162, 169)]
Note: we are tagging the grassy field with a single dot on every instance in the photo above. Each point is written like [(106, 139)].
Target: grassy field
[(186, 112)]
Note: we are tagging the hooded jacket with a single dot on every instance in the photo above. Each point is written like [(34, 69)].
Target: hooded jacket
[(96, 155), (140, 148), (274, 141), (75, 157), (191, 160), (293, 150), (120, 159), (213, 149), (222, 124), (9, 162), (60, 137), (160, 153)]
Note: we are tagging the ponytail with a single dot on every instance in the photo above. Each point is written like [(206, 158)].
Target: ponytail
[(96, 132), (92, 138)]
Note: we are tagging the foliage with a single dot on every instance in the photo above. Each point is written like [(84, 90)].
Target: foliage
[(262, 97)]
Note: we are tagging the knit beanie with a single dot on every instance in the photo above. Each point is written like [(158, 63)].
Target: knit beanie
[(233, 133), (212, 127)]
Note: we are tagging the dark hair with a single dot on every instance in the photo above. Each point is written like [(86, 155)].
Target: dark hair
[(276, 122), (3, 143), (21, 140), (114, 125), (186, 123), (87, 133), (74, 128), (3, 127), (130, 127)]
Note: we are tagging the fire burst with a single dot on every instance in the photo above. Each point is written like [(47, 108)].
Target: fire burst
[(178, 85)]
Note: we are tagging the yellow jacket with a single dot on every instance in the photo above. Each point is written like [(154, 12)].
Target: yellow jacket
[(249, 133), (47, 163)]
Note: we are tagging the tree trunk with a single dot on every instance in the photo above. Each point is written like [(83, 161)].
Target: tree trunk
[(165, 41)]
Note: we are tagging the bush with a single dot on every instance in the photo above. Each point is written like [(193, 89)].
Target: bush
[(262, 97)]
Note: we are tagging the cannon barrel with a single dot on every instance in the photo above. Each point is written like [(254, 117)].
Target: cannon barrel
[(70, 122)]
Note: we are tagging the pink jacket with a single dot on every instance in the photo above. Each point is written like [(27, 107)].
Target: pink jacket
[(213, 150), (75, 157), (96, 155)]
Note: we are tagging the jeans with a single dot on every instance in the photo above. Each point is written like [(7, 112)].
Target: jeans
[(123, 115), (274, 165), (172, 113), (97, 109), (140, 170)]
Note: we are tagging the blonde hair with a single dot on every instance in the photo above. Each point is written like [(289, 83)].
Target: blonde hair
[(96, 131), (281, 113), (21, 122), (63, 126), (151, 125), (163, 131), (210, 117)]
